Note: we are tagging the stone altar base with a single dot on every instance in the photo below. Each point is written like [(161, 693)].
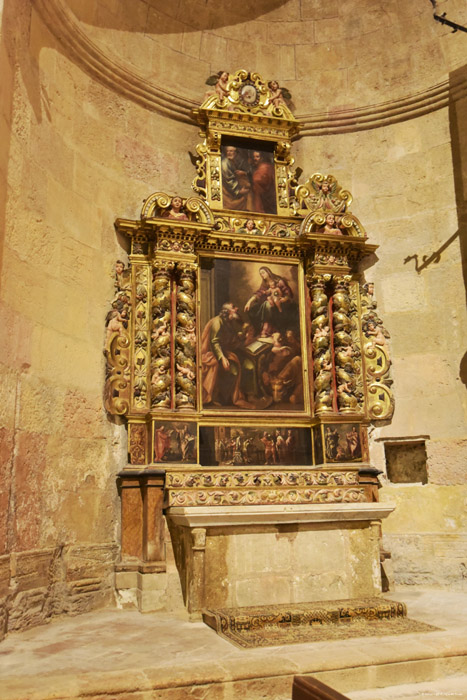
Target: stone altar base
[(240, 556)]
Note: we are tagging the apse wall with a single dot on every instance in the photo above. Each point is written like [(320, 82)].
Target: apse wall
[(97, 99)]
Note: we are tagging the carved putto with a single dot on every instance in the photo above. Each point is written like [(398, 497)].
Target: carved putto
[(322, 192)]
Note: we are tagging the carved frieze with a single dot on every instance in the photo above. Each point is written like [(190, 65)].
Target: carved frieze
[(283, 478), (258, 497)]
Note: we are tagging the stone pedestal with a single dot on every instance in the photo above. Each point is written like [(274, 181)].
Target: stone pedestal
[(140, 576), (260, 555)]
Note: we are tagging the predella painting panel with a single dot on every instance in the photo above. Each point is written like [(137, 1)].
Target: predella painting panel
[(175, 441), (261, 445), (342, 442), (248, 177), (251, 349)]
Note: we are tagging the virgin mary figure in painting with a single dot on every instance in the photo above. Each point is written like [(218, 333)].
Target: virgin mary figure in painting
[(272, 307)]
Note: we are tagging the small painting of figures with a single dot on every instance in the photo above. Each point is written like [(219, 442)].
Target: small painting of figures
[(342, 443), (248, 178), (250, 348), (262, 445), (175, 442)]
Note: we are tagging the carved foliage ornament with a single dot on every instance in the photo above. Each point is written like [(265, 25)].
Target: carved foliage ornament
[(376, 357)]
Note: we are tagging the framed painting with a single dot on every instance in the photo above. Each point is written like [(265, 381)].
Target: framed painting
[(251, 336), (248, 176), (175, 441), (258, 446), (342, 442)]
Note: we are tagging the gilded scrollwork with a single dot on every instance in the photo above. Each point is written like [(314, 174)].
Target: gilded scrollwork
[(185, 338), (161, 334), (258, 496), (321, 343), (322, 192), (199, 181), (380, 399), (117, 347), (321, 222), (176, 209), (247, 92)]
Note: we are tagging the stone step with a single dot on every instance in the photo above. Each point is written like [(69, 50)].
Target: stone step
[(272, 625)]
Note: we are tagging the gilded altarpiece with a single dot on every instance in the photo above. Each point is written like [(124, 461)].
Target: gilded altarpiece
[(243, 347)]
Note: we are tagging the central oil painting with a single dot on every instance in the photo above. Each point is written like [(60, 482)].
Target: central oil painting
[(251, 336)]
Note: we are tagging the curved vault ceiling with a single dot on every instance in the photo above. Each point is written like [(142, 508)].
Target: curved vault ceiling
[(350, 64)]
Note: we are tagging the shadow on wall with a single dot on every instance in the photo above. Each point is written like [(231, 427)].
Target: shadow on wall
[(174, 17), (457, 122)]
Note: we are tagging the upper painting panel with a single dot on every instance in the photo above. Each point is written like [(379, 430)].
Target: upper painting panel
[(248, 177)]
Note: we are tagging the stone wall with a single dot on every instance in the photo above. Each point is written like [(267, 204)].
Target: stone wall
[(78, 156), (93, 123)]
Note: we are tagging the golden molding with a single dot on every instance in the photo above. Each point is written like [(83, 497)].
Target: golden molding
[(77, 45)]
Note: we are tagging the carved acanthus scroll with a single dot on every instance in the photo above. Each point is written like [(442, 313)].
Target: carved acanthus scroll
[(377, 360)]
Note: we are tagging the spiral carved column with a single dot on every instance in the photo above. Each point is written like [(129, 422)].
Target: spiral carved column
[(161, 379), (321, 344), (345, 355), (185, 338)]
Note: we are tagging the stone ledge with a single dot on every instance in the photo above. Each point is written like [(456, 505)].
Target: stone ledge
[(217, 516)]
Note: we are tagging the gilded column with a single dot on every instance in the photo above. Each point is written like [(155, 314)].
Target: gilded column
[(185, 338), (321, 343), (161, 335), (344, 353), (141, 274)]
